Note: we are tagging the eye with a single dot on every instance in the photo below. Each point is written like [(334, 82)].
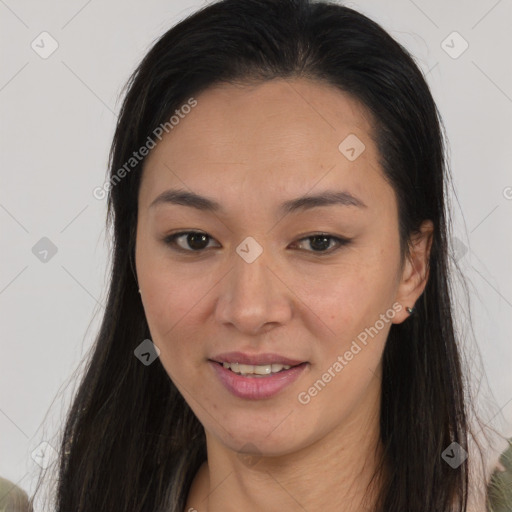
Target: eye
[(198, 241), (321, 241), (194, 239)]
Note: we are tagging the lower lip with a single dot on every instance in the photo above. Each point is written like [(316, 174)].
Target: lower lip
[(257, 388)]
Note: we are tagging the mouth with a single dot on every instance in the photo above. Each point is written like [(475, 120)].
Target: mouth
[(256, 382), (261, 371), (263, 359)]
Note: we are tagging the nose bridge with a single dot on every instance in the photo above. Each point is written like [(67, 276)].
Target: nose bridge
[(251, 295)]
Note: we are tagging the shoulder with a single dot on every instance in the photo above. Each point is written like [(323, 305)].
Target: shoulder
[(13, 497), (500, 484)]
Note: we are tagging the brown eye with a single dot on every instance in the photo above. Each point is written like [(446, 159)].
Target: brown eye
[(195, 240), (320, 243)]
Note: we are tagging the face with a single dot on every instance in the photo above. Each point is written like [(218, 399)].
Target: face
[(319, 283)]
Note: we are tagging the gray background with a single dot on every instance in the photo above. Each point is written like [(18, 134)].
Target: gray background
[(57, 119)]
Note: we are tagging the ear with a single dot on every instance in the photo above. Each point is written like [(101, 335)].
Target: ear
[(416, 270)]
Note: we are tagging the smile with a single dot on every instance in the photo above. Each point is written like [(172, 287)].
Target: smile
[(256, 382), (256, 370)]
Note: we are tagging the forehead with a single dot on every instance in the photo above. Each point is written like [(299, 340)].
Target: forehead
[(270, 137)]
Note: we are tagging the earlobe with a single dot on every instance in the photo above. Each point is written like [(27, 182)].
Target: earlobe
[(416, 270)]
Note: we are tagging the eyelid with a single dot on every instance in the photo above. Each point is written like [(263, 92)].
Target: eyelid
[(341, 241)]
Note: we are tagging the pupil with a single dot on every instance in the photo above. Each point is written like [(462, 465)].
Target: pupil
[(191, 239), (324, 242)]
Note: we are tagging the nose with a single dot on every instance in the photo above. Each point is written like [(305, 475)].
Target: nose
[(253, 297)]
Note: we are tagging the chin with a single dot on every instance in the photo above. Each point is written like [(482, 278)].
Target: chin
[(261, 439)]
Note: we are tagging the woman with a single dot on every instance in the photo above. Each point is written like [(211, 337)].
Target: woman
[(279, 331)]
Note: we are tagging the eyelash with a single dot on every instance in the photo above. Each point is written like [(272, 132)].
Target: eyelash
[(171, 241)]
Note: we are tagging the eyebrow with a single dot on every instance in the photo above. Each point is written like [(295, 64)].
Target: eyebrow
[(326, 198)]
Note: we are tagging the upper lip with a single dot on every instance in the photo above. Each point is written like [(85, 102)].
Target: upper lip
[(255, 359)]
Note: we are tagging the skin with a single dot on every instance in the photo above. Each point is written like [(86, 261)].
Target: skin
[(251, 148)]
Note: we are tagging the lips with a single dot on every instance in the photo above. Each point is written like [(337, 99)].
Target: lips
[(257, 387), (255, 359)]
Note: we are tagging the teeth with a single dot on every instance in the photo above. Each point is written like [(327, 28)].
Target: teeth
[(249, 369)]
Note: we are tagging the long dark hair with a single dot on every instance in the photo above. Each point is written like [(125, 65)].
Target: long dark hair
[(131, 442)]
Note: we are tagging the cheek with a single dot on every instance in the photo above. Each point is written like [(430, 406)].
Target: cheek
[(358, 312), (171, 301), (347, 363), (172, 321), (171, 291), (349, 299)]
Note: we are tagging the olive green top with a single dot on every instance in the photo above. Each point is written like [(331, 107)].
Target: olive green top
[(12, 498), (500, 485)]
